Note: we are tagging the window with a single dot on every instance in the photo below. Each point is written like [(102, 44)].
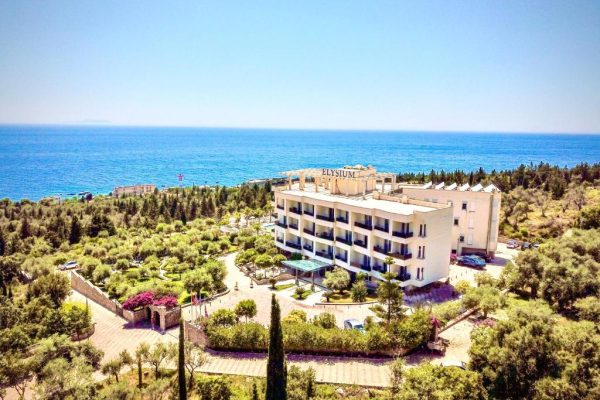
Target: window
[(472, 206), (418, 273), (424, 230), (464, 205), (419, 256), (423, 251), (462, 238), (421, 230), (456, 221)]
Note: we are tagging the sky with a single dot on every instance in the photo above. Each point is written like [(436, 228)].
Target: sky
[(497, 66)]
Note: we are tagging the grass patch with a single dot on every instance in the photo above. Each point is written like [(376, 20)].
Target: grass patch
[(346, 297), (284, 286), (304, 295)]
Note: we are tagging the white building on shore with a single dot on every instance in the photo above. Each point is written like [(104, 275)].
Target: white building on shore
[(133, 190), (351, 218)]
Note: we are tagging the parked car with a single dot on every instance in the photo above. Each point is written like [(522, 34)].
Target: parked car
[(482, 255), (354, 324), (536, 246), (69, 265), (512, 244), (525, 246), (471, 261)]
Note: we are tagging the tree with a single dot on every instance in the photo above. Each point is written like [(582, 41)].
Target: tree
[(55, 285), (195, 358), (113, 367), (141, 354), (396, 376), (246, 308), (359, 291), (214, 388), (589, 218), (60, 379), (255, 392), (390, 298), (75, 232), (197, 281), (490, 299), (263, 261), (156, 356), (338, 279), (276, 365), (181, 363), (16, 372), (588, 308), (301, 383), (527, 272)]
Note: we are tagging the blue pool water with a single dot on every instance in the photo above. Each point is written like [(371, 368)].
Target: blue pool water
[(36, 161)]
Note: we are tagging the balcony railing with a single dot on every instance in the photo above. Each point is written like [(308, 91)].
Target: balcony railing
[(296, 210), (307, 247), (342, 219), (340, 257), (280, 207), (281, 224), (293, 245), (309, 212), (360, 243), (324, 254), (403, 277), (382, 228), (325, 235), (294, 226), (344, 240), (364, 267), (325, 218), (363, 225), (381, 250), (404, 235), (309, 231), (402, 256), (380, 268)]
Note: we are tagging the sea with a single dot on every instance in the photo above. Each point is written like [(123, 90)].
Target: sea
[(39, 161)]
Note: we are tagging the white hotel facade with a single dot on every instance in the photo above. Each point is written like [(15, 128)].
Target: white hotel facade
[(355, 217)]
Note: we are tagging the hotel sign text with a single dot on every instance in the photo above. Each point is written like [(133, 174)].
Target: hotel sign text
[(338, 173)]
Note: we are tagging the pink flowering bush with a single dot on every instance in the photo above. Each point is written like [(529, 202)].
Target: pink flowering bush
[(139, 300), (168, 301)]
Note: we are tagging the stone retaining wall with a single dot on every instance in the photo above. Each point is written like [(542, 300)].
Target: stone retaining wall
[(195, 334), (86, 288), (134, 316)]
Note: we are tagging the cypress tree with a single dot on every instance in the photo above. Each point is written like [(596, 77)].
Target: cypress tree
[(276, 368), (75, 233), (181, 364), (254, 392)]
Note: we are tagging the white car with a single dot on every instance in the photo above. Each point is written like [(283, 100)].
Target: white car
[(512, 244), (69, 265), (354, 324), (453, 363)]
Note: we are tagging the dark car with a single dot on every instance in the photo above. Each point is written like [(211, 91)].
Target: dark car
[(485, 256), (525, 246)]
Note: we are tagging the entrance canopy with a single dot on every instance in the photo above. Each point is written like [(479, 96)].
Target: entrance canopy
[(305, 265)]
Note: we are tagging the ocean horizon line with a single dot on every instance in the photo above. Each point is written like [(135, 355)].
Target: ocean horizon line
[(292, 129)]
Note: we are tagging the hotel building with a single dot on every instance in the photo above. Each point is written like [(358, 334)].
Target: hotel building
[(133, 190), (352, 218), (476, 213)]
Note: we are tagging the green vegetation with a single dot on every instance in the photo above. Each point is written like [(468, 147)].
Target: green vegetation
[(276, 366)]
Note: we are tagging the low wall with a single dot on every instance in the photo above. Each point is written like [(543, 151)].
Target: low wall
[(134, 316), (86, 288), (195, 334), (84, 335)]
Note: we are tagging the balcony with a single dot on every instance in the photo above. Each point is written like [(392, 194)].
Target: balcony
[(293, 245), (281, 224), (325, 235), (381, 250), (341, 257), (293, 226), (307, 247), (343, 240), (360, 243), (309, 231), (404, 235), (342, 219), (324, 254), (296, 210), (364, 267), (380, 268), (403, 277), (280, 207), (363, 225), (402, 256), (382, 228), (309, 212), (325, 218)]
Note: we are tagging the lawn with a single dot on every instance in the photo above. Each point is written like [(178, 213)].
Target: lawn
[(284, 286), (307, 293), (346, 297)]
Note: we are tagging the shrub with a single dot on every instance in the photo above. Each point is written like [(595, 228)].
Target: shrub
[(447, 311), (359, 291), (223, 317), (139, 300), (296, 316), (325, 320), (411, 331), (214, 388), (169, 301)]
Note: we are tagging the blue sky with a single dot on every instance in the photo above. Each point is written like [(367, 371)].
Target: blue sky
[(517, 66)]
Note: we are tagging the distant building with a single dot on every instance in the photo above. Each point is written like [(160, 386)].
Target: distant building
[(476, 213), (133, 190)]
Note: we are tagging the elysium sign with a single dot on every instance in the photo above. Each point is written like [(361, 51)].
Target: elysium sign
[(338, 173)]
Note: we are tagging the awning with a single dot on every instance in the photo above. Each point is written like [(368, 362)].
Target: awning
[(306, 265)]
